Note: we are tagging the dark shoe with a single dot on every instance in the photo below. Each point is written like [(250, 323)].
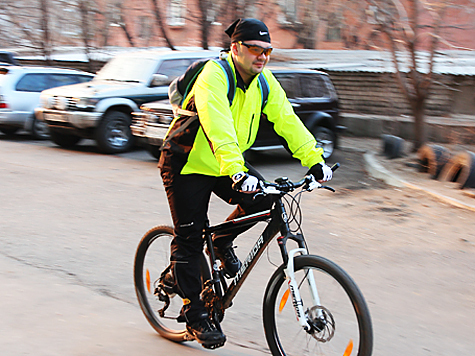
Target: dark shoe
[(231, 263), (168, 283), (206, 334)]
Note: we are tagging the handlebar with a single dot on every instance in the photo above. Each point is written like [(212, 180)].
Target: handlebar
[(285, 185)]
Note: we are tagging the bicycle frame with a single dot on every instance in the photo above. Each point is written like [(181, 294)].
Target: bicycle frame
[(277, 223)]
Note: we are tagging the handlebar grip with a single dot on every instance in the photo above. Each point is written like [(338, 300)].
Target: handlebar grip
[(335, 166)]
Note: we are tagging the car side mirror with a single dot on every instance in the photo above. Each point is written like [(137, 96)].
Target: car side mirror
[(160, 80)]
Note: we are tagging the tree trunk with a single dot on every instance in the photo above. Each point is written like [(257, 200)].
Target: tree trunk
[(204, 23), (84, 9), (420, 135), (161, 25), (124, 28), (45, 42)]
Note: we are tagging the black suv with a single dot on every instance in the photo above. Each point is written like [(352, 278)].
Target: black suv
[(310, 92)]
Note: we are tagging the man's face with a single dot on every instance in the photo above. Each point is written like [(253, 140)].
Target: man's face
[(248, 58)]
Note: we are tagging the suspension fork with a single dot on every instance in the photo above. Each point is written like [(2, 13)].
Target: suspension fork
[(294, 288), (289, 270)]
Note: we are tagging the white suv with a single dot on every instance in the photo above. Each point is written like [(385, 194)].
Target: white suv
[(20, 89), (102, 109)]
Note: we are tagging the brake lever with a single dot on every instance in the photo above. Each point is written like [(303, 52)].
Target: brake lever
[(327, 188)]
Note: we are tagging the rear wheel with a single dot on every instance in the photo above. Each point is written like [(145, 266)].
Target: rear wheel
[(39, 129), (151, 259), (340, 321), (9, 130)]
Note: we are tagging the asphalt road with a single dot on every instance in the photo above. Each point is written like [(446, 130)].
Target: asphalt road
[(71, 220)]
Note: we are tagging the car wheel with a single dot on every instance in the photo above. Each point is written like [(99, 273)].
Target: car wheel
[(9, 130), (63, 139), (325, 139), (113, 134), (39, 129), (154, 150)]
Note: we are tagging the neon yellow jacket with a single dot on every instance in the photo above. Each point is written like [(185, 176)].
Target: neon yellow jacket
[(225, 132)]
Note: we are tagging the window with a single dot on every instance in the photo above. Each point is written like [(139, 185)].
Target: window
[(313, 86), (289, 12), (57, 80), (37, 82), (173, 68), (33, 83), (144, 27), (333, 32), (288, 84), (176, 12)]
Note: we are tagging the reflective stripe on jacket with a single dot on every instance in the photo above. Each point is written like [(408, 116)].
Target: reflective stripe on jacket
[(226, 132)]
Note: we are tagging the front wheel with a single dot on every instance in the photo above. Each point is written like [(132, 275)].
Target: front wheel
[(64, 140), (339, 319), (113, 135), (325, 139), (151, 259)]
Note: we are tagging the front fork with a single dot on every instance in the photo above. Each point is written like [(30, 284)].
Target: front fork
[(294, 288)]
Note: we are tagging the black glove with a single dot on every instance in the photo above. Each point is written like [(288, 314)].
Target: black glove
[(321, 172)]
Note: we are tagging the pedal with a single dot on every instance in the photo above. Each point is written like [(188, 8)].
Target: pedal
[(213, 346), (163, 297)]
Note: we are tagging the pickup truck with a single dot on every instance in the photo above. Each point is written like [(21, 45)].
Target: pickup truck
[(102, 108)]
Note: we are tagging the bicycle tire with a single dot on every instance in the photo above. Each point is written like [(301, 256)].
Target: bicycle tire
[(151, 258), (344, 309)]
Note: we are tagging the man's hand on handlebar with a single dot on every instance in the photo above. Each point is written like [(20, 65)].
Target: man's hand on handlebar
[(245, 183), (321, 172)]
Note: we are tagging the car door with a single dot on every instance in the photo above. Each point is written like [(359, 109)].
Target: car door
[(27, 93)]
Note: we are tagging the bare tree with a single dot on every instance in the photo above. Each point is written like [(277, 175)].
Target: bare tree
[(123, 25), (410, 28), (45, 29), (161, 24), (84, 9), (28, 24), (205, 20)]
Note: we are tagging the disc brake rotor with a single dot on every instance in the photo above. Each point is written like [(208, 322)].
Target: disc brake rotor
[(321, 322)]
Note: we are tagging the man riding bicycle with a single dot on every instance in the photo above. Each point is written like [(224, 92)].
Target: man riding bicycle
[(207, 157)]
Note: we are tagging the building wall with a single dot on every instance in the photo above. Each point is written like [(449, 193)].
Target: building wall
[(338, 24)]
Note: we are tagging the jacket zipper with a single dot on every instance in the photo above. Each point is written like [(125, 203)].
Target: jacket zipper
[(250, 129)]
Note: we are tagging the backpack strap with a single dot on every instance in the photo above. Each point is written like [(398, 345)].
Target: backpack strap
[(230, 77), (264, 85)]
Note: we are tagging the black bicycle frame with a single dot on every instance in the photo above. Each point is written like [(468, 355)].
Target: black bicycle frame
[(277, 223)]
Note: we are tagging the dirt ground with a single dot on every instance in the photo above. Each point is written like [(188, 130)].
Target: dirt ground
[(71, 219), (412, 254)]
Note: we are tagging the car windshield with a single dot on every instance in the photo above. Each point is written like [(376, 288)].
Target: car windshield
[(127, 69)]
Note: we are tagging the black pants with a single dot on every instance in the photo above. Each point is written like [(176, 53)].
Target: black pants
[(188, 197)]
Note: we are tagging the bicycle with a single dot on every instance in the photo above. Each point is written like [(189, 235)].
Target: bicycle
[(332, 319)]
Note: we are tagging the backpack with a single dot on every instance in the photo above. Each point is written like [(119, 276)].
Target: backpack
[(181, 86)]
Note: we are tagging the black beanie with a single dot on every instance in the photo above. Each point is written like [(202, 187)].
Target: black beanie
[(248, 30)]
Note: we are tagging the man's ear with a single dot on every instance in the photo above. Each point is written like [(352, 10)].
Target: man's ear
[(234, 48)]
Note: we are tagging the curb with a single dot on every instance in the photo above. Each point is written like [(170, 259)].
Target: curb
[(376, 170)]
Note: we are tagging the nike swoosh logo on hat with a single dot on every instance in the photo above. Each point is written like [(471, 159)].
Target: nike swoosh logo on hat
[(262, 33)]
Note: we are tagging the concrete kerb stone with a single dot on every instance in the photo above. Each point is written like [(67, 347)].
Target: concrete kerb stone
[(375, 169), (439, 129)]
